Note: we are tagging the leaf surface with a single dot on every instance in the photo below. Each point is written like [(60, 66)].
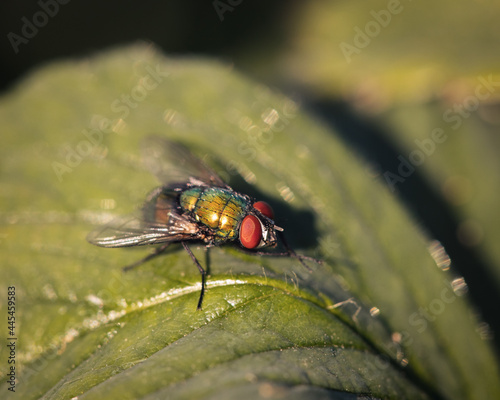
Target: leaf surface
[(268, 327)]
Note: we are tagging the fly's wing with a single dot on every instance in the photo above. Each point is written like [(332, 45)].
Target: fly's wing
[(158, 222), (172, 163)]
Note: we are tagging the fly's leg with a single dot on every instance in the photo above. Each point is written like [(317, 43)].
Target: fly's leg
[(293, 254), (289, 253), (156, 253), (202, 272)]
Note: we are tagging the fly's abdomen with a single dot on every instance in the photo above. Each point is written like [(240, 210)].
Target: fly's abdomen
[(220, 209)]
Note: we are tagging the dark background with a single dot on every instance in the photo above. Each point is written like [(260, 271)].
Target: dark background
[(188, 27)]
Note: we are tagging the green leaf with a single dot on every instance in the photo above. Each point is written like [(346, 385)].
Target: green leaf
[(377, 318), (463, 166)]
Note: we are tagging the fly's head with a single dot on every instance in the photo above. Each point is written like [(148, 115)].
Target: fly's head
[(257, 229)]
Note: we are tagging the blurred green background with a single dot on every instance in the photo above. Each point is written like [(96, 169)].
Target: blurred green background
[(398, 80)]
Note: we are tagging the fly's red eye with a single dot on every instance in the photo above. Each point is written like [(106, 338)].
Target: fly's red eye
[(264, 208), (250, 232)]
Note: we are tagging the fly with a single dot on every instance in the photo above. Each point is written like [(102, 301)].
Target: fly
[(193, 204)]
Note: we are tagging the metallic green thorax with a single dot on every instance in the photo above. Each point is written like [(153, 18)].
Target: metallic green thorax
[(220, 209)]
